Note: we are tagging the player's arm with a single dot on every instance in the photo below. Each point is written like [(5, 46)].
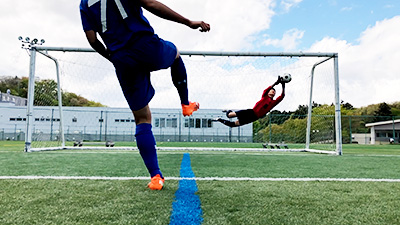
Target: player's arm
[(91, 36), (280, 98), (163, 11), (265, 93), (278, 81)]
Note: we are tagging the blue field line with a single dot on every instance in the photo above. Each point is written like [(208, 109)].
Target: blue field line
[(186, 208)]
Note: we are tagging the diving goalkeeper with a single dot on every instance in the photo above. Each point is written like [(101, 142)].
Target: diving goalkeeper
[(260, 109)]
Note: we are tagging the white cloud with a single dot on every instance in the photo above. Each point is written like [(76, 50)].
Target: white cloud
[(369, 71), (287, 5), (289, 41), (233, 22), (346, 9)]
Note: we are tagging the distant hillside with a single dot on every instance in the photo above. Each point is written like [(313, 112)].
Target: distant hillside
[(46, 90)]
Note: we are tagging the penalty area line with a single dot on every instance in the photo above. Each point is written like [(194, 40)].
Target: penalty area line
[(304, 179)]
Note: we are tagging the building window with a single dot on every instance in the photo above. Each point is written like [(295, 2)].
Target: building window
[(204, 123), (198, 122), (189, 122), (210, 123), (162, 122), (172, 122), (74, 120), (20, 119), (159, 122)]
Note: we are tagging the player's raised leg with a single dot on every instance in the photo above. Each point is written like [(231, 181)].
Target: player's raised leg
[(179, 78)]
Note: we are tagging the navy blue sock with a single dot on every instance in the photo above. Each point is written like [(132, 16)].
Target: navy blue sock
[(179, 78), (147, 148)]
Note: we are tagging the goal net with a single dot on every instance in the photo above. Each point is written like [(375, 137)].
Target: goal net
[(77, 101)]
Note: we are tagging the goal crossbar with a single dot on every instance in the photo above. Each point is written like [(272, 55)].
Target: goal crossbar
[(207, 53)]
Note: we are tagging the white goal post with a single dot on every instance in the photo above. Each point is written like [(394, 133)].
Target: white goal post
[(237, 71)]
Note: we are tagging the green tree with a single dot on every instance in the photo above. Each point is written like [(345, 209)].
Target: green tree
[(17, 86), (384, 112), (45, 92)]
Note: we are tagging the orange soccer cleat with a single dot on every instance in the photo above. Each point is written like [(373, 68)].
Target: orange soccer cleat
[(156, 183), (187, 110)]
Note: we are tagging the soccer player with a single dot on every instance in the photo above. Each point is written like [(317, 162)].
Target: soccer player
[(260, 109), (135, 51)]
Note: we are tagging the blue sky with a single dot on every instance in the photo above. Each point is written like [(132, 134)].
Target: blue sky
[(341, 19), (365, 33)]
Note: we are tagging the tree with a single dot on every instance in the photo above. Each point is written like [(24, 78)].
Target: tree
[(347, 106), (384, 112), (45, 92), (17, 86)]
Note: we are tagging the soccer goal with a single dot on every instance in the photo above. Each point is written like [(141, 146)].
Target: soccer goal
[(61, 79)]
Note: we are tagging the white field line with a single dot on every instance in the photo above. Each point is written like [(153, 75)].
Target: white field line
[(304, 179)]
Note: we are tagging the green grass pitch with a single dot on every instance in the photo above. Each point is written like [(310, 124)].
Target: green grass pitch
[(85, 201)]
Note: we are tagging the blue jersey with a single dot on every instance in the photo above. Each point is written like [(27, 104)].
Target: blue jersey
[(117, 21)]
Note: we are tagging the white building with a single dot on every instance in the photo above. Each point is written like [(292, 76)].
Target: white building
[(117, 124), (382, 131)]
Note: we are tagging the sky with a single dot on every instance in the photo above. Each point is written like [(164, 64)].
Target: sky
[(364, 33)]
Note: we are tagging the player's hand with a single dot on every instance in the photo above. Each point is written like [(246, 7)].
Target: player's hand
[(278, 81), (204, 27)]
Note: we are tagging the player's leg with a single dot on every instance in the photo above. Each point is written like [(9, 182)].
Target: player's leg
[(245, 116), (179, 78), (146, 144), (227, 122), (158, 54), (138, 91), (229, 113), (145, 140)]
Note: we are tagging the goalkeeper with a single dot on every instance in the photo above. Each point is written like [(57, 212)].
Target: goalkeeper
[(135, 51), (260, 109)]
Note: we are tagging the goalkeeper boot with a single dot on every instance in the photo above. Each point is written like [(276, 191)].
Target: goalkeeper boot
[(187, 110), (156, 183)]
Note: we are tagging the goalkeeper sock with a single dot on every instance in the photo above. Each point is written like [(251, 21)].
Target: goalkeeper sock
[(147, 148), (179, 78), (227, 122)]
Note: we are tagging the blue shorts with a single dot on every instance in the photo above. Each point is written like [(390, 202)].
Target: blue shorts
[(134, 63)]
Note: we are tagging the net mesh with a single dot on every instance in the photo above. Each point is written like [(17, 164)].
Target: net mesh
[(216, 82)]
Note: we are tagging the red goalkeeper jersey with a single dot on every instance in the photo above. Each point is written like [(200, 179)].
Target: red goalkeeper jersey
[(266, 103)]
